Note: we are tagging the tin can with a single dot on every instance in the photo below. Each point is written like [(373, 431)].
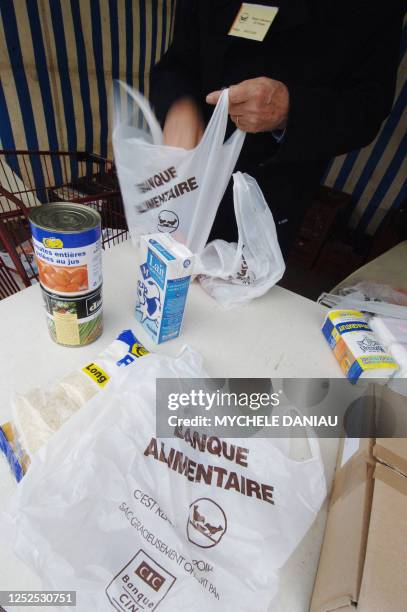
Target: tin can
[(68, 247), (74, 320)]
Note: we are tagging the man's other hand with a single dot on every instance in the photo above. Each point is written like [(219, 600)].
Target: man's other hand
[(184, 125), (257, 105)]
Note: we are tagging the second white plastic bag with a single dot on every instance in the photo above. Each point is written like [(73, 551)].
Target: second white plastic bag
[(128, 519), (234, 273)]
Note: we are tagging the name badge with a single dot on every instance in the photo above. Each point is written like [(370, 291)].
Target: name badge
[(253, 21)]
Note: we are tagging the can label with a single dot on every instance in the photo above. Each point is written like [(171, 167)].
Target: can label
[(74, 321), (68, 263)]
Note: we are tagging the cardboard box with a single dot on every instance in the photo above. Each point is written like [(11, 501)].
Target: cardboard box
[(364, 553), (384, 584), (340, 567), (391, 451)]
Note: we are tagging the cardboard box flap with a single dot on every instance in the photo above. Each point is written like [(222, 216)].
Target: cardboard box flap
[(384, 585), (356, 470), (392, 452), (340, 568), (393, 479), (342, 604), (391, 408)]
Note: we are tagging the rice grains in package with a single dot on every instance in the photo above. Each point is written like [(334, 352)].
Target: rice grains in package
[(39, 413)]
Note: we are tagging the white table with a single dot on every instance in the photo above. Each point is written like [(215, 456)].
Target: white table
[(277, 335)]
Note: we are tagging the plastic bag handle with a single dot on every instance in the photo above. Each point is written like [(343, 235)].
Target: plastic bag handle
[(215, 130), (145, 108), (239, 180)]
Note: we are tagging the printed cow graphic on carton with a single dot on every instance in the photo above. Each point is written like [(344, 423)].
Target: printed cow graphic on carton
[(148, 300)]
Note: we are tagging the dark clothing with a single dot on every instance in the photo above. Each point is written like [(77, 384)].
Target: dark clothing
[(339, 61)]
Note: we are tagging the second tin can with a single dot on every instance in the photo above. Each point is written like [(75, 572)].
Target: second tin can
[(75, 320), (68, 247)]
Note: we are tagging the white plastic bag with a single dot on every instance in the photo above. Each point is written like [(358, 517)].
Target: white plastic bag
[(106, 511), (378, 292), (236, 273), (170, 189)]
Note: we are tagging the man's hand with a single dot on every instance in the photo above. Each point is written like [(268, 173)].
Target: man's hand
[(257, 105), (184, 125)]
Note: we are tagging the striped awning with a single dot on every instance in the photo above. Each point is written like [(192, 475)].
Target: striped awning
[(58, 59), (376, 176)]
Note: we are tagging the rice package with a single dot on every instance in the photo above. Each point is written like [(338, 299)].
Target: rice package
[(39, 413)]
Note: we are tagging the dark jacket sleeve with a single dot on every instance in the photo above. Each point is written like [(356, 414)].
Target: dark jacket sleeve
[(328, 121), (177, 73)]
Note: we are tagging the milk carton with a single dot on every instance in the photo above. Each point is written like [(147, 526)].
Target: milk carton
[(162, 285)]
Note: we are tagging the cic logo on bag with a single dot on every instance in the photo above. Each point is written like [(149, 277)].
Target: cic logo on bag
[(150, 576), (141, 585)]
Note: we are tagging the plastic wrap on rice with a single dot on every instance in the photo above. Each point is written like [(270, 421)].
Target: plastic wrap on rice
[(39, 413)]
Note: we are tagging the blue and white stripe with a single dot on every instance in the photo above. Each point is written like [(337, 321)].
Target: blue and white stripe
[(59, 59), (376, 176)]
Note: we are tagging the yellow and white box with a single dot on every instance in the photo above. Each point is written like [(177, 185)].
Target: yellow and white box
[(355, 346)]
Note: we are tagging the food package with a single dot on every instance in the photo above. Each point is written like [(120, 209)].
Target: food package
[(38, 413)]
